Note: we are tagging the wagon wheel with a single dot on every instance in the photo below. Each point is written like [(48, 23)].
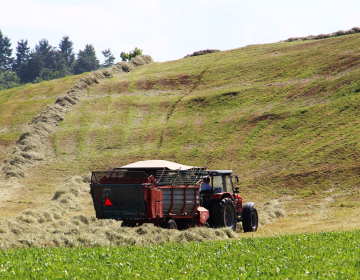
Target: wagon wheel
[(170, 224)]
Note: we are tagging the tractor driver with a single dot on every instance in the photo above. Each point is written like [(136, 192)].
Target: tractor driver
[(205, 185)]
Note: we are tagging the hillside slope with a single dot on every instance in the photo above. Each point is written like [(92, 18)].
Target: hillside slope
[(283, 116)]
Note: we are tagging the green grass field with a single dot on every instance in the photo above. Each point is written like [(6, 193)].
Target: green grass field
[(332, 255)]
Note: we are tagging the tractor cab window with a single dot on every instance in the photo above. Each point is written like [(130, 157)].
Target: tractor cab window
[(222, 183), (217, 184), (227, 182)]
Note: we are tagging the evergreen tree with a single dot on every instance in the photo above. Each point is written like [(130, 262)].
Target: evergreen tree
[(109, 58), (43, 47), (6, 60), (37, 60), (33, 67), (56, 66), (86, 60), (66, 48), (45, 63), (22, 57)]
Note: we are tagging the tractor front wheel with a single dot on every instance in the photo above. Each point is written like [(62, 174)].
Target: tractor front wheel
[(249, 217), (224, 213)]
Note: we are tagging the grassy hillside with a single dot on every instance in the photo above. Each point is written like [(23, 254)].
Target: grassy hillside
[(283, 116), (20, 105)]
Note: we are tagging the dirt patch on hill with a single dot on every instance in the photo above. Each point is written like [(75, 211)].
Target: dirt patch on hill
[(29, 149), (265, 117)]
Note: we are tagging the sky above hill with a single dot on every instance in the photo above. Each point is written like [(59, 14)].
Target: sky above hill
[(170, 29)]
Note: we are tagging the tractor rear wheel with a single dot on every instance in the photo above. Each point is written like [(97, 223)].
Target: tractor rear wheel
[(224, 213), (249, 217)]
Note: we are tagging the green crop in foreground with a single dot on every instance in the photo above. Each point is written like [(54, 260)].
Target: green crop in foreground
[(323, 255)]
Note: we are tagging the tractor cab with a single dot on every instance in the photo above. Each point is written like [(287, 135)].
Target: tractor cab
[(221, 182), (222, 189), (223, 198)]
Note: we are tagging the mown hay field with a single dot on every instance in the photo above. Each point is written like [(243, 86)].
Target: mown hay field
[(282, 116), (332, 255), (63, 222)]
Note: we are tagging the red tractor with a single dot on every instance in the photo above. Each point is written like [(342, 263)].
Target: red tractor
[(169, 195)]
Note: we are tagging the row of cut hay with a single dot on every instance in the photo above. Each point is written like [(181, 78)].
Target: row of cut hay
[(202, 52), (85, 231), (324, 36), (270, 211), (62, 224), (29, 149)]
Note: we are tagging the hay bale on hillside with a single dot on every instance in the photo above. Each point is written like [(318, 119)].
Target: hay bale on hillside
[(339, 33), (32, 156), (137, 60), (13, 172), (147, 58), (85, 82), (107, 73), (292, 39), (202, 52), (324, 36), (141, 60), (351, 31), (269, 211), (50, 116), (65, 101), (126, 67), (117, 68)]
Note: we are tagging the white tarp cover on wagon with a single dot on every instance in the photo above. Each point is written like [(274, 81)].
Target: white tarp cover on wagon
[(158, 164)]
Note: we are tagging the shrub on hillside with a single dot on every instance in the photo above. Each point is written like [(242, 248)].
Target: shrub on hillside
[(8, 79), (128, 56)]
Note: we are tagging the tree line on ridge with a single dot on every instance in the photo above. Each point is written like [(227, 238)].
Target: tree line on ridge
[(46, 62)]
